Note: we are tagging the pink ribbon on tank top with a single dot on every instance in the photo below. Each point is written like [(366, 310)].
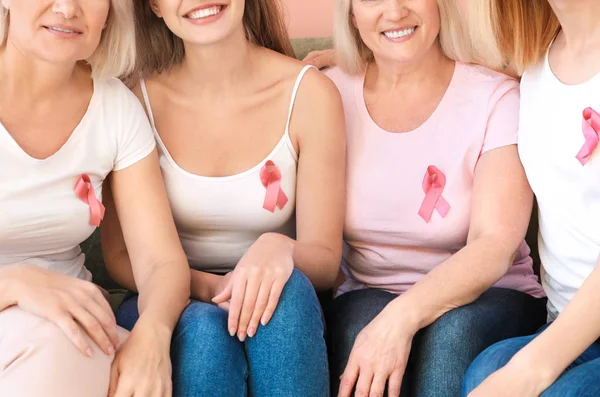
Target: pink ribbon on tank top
[(85, 191), (591, 132), (433, 186), (270, 176)]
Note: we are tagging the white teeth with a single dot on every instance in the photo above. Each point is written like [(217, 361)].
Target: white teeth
[(61, 30), (398, 33), (205, 13)]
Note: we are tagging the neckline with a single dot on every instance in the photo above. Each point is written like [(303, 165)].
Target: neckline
[(548, 69), (285, 139), (74, 134), (364, 114)]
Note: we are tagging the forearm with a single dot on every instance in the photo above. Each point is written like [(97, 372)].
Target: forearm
[(577, 327), (320, 264), (458, 281), (164, 291), (203, 285)]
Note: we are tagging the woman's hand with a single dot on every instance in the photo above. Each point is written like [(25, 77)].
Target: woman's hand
[(142, 366), (514, 379), (255, 286), (77, 307), (379, 355), (320, 59)]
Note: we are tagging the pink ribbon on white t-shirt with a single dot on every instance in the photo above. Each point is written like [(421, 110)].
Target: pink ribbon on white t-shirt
[(433, 186), (270, 176), (591, 133), (85, 191)]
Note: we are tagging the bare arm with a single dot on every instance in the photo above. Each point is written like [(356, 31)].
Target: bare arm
[(320, 206), (501, 209), (160, 269), (577, 327)]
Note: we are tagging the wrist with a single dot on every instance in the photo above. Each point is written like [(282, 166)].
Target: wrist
[(153, 325), (541, 370), (10, 284), (406, 314)]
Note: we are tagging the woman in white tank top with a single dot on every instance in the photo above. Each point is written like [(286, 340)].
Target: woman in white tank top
[(66, 124), (252, 153)]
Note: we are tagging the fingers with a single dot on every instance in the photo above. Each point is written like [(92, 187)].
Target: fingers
[(94, 329), (252, 288), (235, 304), (73, 331), (261, 305), (363, 386), (378, 385), (395, 383), (106, 319), (348, 380), (224, 295), (114, 378), (274, 296), (320, 59)]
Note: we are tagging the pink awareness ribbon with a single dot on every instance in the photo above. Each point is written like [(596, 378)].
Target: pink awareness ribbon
[(433, 186), (591, 132), (85, 192), (270, 176)]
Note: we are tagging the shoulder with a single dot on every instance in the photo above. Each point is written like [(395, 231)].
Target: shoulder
[(118, 99), (489, 86)]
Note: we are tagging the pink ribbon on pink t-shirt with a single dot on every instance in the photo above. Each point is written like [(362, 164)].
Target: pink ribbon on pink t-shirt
[(433, 186), (85, 192), (591, 132), (270, 176)]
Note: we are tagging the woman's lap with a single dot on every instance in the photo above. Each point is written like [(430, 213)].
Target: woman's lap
[(442, 352), (288, 356)]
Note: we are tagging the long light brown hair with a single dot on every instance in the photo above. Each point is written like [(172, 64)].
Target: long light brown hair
[(515, 31), (158, 49)]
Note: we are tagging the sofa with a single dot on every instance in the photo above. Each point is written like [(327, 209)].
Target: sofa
[(93, 252)]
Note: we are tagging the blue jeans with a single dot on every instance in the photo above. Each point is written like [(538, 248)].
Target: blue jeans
[(441, 352), (580, 379), (287, 357)]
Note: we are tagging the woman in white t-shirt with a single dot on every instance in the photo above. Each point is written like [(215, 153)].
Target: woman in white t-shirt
[(557, 44), (66, 124)]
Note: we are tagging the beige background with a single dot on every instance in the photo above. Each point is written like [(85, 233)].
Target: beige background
[(309, 18)]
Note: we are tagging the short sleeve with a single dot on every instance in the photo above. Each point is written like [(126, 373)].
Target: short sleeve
[(135, 140), (503, 121)]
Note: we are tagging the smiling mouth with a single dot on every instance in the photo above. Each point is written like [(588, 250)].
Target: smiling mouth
[(205, 12), (63, 30), (398, 34)]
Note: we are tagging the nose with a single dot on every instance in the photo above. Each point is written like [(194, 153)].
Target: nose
[(68, 8), (395, 10)]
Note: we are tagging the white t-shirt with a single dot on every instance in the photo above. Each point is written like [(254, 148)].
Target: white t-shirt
[(42, 220), (568, 193)]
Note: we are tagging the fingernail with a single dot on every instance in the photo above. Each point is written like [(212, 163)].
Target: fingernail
[(251, 332), (232, 331), (111, 350), (89, 352), (242, 336)]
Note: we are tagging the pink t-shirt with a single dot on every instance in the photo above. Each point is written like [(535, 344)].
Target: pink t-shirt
[(389, 245)]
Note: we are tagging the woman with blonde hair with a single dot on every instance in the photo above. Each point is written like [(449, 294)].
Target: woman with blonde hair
[(556, 44), (67, 123), (438, 204), (252, 152)]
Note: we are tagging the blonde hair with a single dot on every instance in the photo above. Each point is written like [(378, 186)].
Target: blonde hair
[(353, 54), (516, 31), (159, 49), (115, 55)]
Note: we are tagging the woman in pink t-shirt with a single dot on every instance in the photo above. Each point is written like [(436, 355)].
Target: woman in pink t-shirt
[(438, 204)]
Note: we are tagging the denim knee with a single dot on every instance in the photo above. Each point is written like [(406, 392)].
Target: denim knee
[(491, 360), (298, 305), (206, 359)]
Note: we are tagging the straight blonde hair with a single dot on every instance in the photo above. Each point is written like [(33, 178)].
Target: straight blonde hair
[(115, 55), (159, 49), (515, 31), (353, 54)]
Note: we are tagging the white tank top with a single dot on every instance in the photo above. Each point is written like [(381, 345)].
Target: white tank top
[(219, 218)]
